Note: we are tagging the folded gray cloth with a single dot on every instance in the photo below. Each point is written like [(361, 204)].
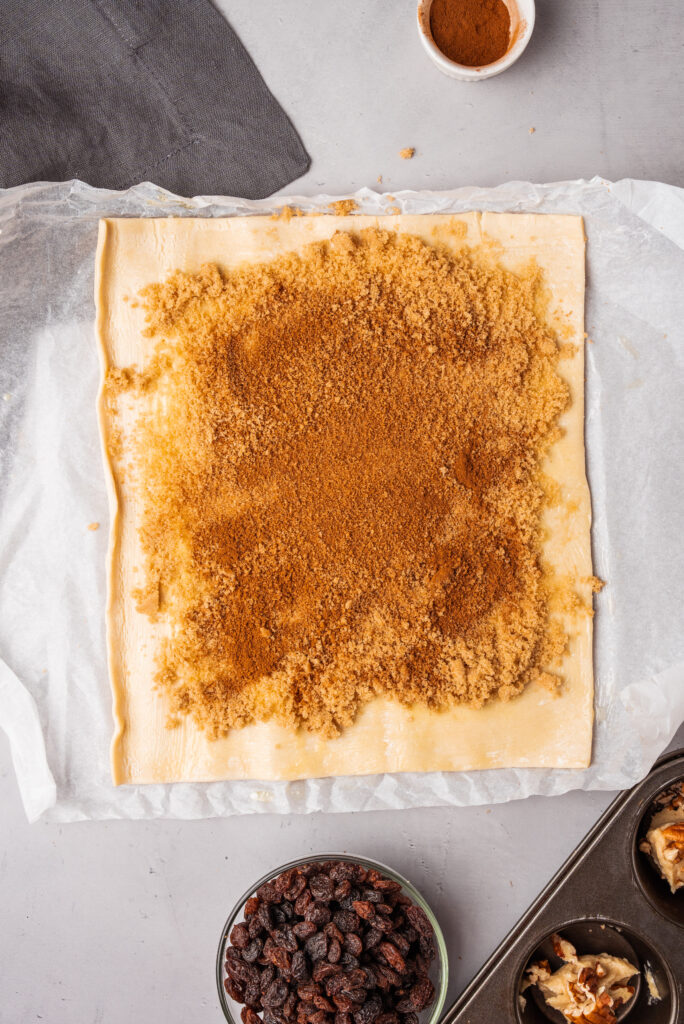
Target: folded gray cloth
[(120, 91)]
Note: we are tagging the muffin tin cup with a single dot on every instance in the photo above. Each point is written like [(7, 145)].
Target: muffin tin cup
[(608, 897)]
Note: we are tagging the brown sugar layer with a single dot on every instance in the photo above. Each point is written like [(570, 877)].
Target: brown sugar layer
[(339, 462)]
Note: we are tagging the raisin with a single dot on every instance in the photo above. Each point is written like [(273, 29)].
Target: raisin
[(354, 944), (284, 881), (254, 926), (321, 1003), (290, 1005), (413, 969), (402, 944), (422, 994), (278, 914), (248, 1016), (251, 906), (405, 1005), (319, 1017), (369, 1011), (384, 909), (285, 938), (409, 1018), (245, 973), (276, 993), (387, 1018), (390, 976), (307, 992), (272, 1016), (341, 870), (335, 983), (268, 893), (372, 937), (239, 936), (322, 887), (324, 970), (418, 918), (356, 979), (302, 902), (317, 946), (235, 989), (343, 1018), (348, 961), (309, 869), (305, 1009), (387, 885), (371, 895), (253, 951), (381, 980), (297, 888), (347, 921), (354, 894), (304, 929), (281, 958), (357, 995), (334, 951), (265, 916), (343, 889), (371, 976), (300, 966), (319, 913), (421, 965), (267, 975), (343, 1002), (427, 947), (333, 932), (364, 909), (253, 995), (233, 957)]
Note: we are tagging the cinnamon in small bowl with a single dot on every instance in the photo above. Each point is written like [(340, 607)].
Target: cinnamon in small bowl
[(475, 39)]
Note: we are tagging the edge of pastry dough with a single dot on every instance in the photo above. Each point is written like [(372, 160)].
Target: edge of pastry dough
[(114, 506), (536, 729)]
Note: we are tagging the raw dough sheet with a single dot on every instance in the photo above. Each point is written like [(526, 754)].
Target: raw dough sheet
[(536, 729)]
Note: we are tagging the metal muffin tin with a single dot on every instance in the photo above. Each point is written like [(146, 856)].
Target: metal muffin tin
[(607, 898)]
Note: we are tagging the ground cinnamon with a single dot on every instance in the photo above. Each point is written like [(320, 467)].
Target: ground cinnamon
[(339, 475), (471, 32)]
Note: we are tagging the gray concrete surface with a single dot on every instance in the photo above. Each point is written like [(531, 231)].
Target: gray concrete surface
[(106, 923)]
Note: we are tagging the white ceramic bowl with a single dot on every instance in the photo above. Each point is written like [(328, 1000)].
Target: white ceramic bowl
[(522, 25)]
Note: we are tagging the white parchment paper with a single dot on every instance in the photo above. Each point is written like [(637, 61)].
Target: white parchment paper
[(55, 702)]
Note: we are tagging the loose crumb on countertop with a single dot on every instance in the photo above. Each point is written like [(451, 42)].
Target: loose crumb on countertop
[(408, 153), (338, 458)]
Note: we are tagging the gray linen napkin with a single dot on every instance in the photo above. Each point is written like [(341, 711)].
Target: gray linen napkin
[(120, 91)]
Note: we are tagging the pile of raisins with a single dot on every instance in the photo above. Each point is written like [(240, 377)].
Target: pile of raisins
[(331, 943)]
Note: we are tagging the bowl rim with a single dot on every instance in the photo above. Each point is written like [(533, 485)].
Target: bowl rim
[(368, 862), (465, 72)]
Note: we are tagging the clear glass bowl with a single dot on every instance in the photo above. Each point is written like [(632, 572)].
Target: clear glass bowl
[(439, 969)]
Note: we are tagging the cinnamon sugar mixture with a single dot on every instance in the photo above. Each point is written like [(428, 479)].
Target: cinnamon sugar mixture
[(339, 465)]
